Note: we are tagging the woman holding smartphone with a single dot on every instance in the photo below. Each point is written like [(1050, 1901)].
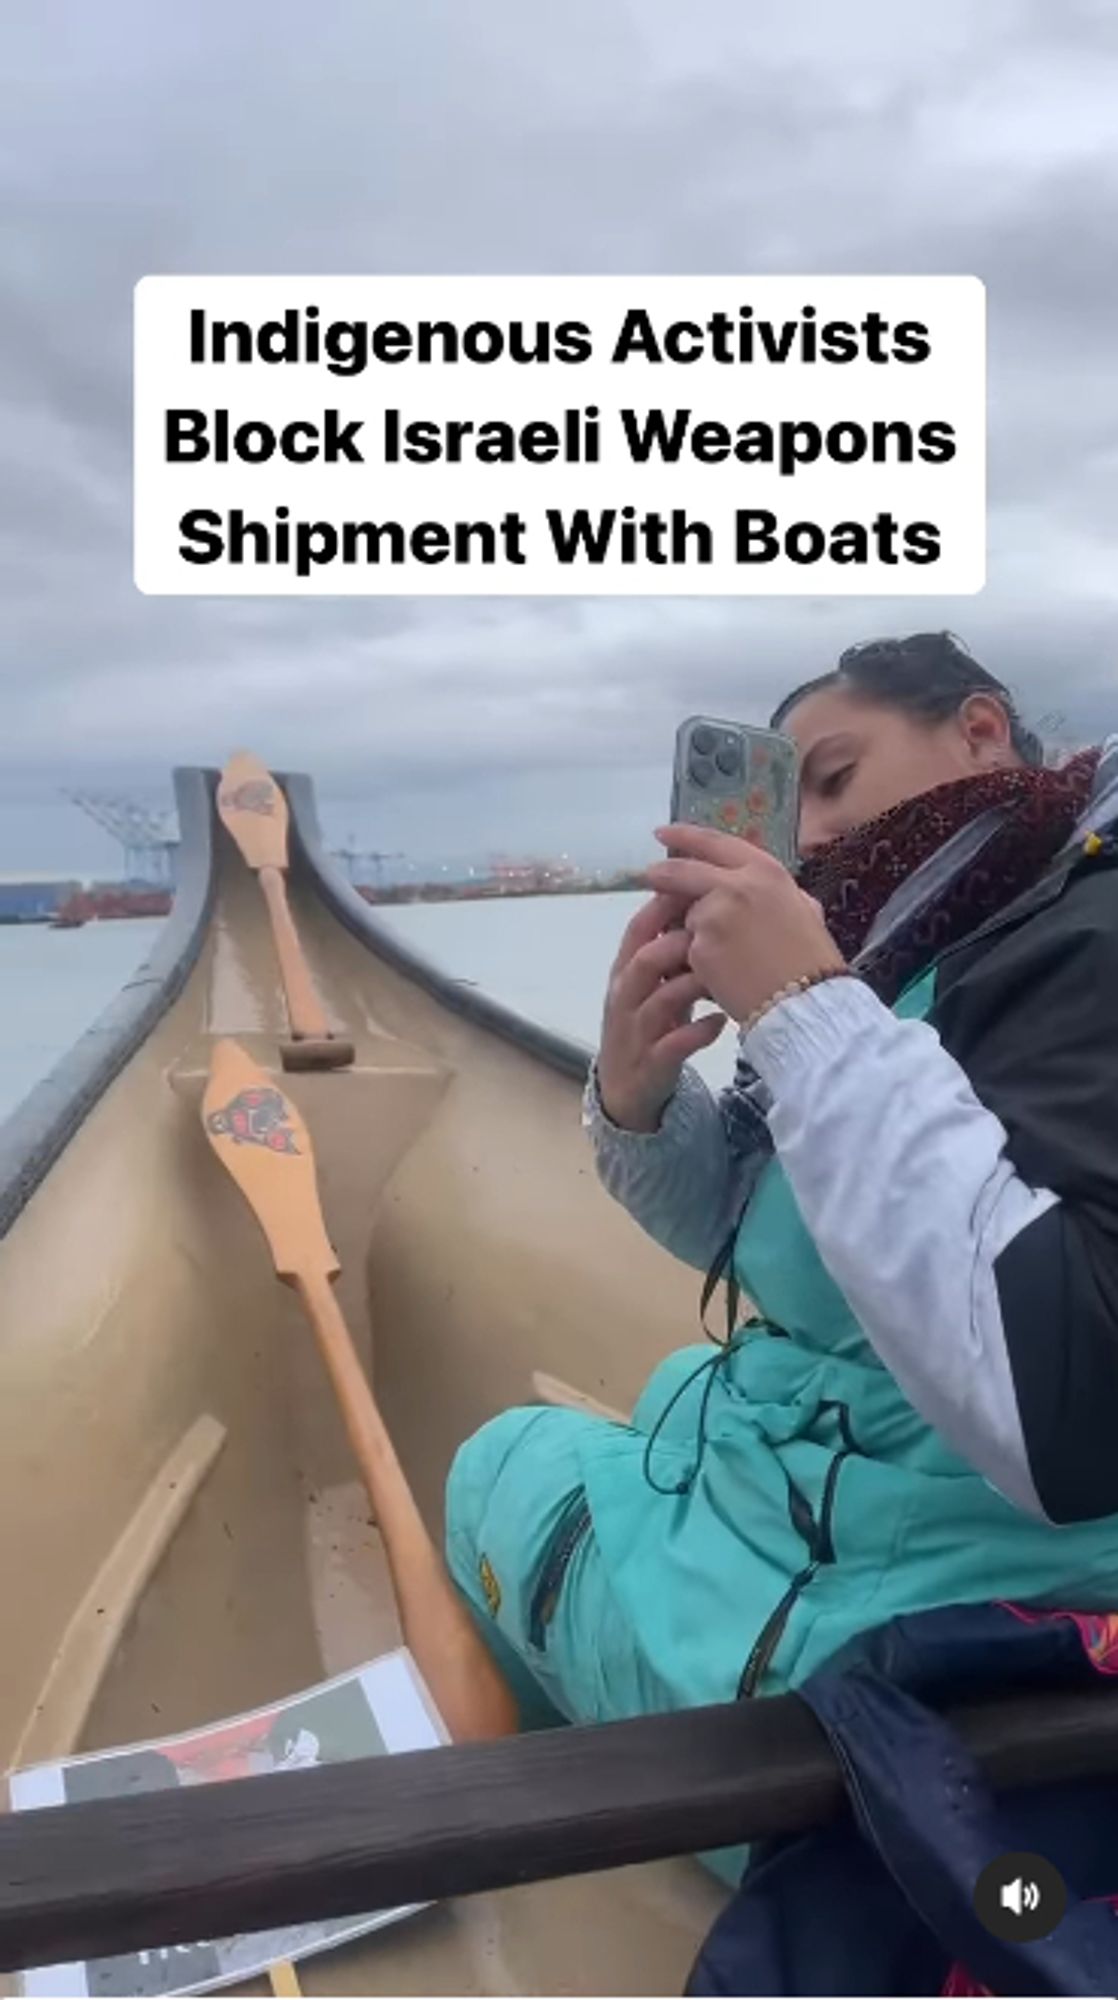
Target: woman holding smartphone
[(914, 1183)]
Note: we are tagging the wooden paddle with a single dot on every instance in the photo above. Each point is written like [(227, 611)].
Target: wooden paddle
[(254, 811), (258, 1135)]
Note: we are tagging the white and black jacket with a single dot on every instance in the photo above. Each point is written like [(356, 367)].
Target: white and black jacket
[(958, 1175)]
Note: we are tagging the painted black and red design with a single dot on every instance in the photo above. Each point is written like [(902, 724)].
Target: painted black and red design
[(255, 1117), (256, 795)]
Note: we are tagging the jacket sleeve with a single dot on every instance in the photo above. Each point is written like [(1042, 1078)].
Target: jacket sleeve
[(970, 1217), (687, 1183), (1037, 1026)]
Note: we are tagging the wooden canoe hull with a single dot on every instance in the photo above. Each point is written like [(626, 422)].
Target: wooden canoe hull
[(138, 1304)]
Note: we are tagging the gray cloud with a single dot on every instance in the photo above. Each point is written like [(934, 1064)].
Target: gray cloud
[(450, 135)]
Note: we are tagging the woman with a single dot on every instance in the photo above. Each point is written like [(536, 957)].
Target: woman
[(914, 1181)]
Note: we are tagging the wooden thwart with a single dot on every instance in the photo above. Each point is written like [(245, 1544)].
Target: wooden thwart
[(253, 810), (94, 1880), (564, 1396), (79, 1667)]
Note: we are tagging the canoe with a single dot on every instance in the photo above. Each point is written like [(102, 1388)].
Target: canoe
[(182, 1536), (181, 1529)]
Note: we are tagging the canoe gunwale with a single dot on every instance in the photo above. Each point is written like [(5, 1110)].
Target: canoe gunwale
[(118, 1875), (42, 1125), (558, 1052)]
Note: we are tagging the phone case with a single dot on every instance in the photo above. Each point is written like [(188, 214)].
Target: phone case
[(737, 779)]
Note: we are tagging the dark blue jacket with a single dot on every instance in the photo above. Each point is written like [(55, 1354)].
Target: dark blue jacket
[(881, 1902)]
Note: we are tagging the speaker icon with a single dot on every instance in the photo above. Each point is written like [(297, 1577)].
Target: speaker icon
[(1020, 1897)]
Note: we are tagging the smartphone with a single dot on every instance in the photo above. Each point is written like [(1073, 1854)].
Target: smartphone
[(737, 779)]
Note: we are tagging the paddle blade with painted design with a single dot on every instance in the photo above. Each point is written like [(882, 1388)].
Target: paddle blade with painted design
[(261, 1140), (253, 810)]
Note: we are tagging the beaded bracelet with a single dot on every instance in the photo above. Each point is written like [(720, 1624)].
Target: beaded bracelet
[(794, 986)]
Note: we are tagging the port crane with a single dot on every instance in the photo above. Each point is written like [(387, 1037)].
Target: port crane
[(148, 835), (353, 856)]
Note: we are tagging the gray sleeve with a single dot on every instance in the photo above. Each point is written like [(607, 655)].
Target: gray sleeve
[(686, 1183), (903, 1179)]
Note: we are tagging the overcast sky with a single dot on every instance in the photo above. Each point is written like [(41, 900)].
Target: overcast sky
[(502, 135)]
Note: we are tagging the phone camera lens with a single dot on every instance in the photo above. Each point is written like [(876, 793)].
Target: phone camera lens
[(702, 770), (703, 741), (728, 759)]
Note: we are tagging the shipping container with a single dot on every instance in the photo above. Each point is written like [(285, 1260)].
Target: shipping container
[(33, 899)]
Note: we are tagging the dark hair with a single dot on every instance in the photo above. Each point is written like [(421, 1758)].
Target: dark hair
[(928, 675)]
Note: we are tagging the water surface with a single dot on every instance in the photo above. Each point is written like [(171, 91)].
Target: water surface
[(545, 956)]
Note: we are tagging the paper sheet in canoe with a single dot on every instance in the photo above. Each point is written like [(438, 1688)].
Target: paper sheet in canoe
[(375, 1710)]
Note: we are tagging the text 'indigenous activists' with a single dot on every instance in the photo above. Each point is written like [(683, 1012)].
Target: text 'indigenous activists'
[(559, 436)]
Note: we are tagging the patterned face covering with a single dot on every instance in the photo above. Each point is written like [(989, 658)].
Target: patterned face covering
[(854, 877)]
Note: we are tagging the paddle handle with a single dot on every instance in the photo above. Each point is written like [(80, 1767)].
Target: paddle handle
[(471, 1694), (304, 1009)]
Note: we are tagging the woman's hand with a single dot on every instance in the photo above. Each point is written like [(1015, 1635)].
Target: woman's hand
[(647, 1030), (751, 930)]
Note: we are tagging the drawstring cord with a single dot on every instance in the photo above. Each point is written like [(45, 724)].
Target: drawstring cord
[(710, 1368), (723, 1266)]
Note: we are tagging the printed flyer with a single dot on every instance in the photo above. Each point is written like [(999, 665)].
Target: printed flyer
[(376, 1710)]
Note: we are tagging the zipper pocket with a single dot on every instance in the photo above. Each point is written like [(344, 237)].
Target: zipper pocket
[(771, 1633), (573, 1525), (826, 1546), (820, 1542)]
